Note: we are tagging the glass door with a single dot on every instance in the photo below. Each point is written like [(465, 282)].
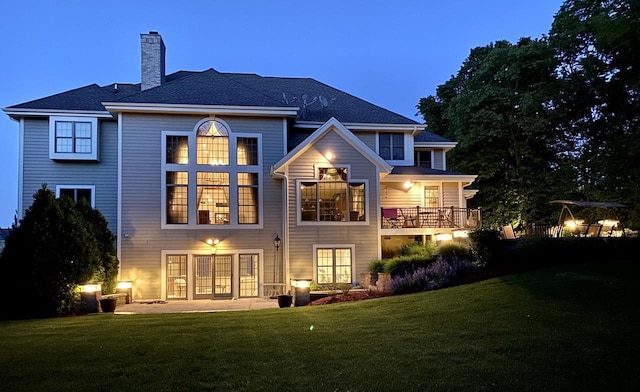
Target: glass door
[(204, 276), (222, 276)]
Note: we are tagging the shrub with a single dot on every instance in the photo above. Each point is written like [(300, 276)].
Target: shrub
[(376, 266), (486, 247), (453, 249), (406, 264), (417, 248), (439, 274), (345, 288)]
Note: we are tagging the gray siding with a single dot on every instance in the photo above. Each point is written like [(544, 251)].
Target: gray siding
[(438, 159), (303, 237), (141, 200), (38, 169)]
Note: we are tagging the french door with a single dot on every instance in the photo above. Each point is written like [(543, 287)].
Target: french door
[(213, 276)]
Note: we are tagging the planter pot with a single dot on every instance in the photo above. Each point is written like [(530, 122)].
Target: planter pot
[(108, 305), (284, 300)]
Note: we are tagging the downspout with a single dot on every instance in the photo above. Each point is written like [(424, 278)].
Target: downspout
[(285, 224)]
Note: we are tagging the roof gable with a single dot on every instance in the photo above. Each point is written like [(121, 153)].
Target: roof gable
[(333, 125)]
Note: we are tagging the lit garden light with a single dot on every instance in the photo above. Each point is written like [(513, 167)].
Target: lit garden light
[(301, 291), (125, 287), (90, 294)]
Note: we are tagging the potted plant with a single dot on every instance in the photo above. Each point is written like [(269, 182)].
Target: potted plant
[(108, 304), (285, 300)]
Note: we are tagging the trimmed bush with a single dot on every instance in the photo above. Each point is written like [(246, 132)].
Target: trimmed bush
[(441, 273), (376, 266), (407, 264), (453, 249), (418, 248)]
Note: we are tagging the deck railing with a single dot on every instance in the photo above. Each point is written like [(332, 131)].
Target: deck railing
[(430, 217)]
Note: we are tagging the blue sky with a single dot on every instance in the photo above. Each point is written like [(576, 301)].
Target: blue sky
[(390, 53)]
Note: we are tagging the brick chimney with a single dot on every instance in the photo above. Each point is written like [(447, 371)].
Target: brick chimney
[(153, 54)]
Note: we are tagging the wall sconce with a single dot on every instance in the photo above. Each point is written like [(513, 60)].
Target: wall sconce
[(408, 185), (277, 242), (212, 243), (329, 155)]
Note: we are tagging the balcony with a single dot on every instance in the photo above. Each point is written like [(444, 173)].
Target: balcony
[(430, 218)]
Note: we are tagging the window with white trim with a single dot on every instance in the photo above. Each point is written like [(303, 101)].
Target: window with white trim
[(77, 193), (219, 181), (332, 197), (73, 138), (391, 146), (333, 265)]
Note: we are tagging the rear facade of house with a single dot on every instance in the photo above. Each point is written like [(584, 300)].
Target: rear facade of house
[(223, 185)]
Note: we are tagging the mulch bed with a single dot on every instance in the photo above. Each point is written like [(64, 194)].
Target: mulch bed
[(351, 296)]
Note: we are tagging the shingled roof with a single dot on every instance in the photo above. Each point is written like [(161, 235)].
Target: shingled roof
[(317, 102)]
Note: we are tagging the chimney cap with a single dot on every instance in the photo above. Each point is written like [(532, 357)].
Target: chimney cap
[(153, 32)]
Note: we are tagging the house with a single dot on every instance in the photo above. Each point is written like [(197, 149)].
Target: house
[(221, 185)]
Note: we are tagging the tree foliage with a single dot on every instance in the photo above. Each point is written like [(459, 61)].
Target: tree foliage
[(554, 117), (58, 245)]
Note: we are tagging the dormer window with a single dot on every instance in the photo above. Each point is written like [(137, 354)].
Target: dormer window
[(73, 138)]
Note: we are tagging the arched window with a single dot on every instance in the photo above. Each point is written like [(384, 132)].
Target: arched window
[(212, 143)]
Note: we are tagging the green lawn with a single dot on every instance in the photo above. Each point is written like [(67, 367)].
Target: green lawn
[(566, 329)]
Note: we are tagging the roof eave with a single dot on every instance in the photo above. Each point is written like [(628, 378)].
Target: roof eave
[(17, 113), (366, 126), (117, 107)]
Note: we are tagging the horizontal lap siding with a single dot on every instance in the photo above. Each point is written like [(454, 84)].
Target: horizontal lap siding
[(141, 199), (393, 197), (302, 238), (451, 195), (38, 169), (438, 160)]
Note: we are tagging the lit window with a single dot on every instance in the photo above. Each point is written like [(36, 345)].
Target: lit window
[(177, 276), (332, 198), (213, 198), (247, 198), (177, 148), (177, 200), (333, 265), (247, 151), (212, 144)]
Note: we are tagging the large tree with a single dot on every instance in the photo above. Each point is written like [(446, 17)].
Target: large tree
[(598, 46), (554, 117), (58, 245), (498, 109)]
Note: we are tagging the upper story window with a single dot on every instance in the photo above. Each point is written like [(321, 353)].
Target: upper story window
[(333, 197), (422, 159), (212, 176), (77, 193), (391, 146), (212, 143), (73, 138)]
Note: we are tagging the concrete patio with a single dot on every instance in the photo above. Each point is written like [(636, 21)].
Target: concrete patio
[(195, 306)]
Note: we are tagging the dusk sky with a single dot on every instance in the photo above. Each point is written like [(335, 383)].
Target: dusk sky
[(390, 53)]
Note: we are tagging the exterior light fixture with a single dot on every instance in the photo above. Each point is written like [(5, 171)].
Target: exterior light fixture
[(277, 242), (91, 288), (461, 234), (125, 287), (329, 155), (301, 291), (444, 237), (213, 241), (408, 184)]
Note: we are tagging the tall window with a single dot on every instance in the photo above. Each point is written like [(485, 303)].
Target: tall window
[(332, 198), (247, 198), (248, 275), (212, 144), (177, 276), (247, 151), (211, 176), (213, 198), (391, 146), (177, 197), (333, 265), (177, 149)]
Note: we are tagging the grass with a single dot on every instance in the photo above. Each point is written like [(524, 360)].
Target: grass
[(565, 329)]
